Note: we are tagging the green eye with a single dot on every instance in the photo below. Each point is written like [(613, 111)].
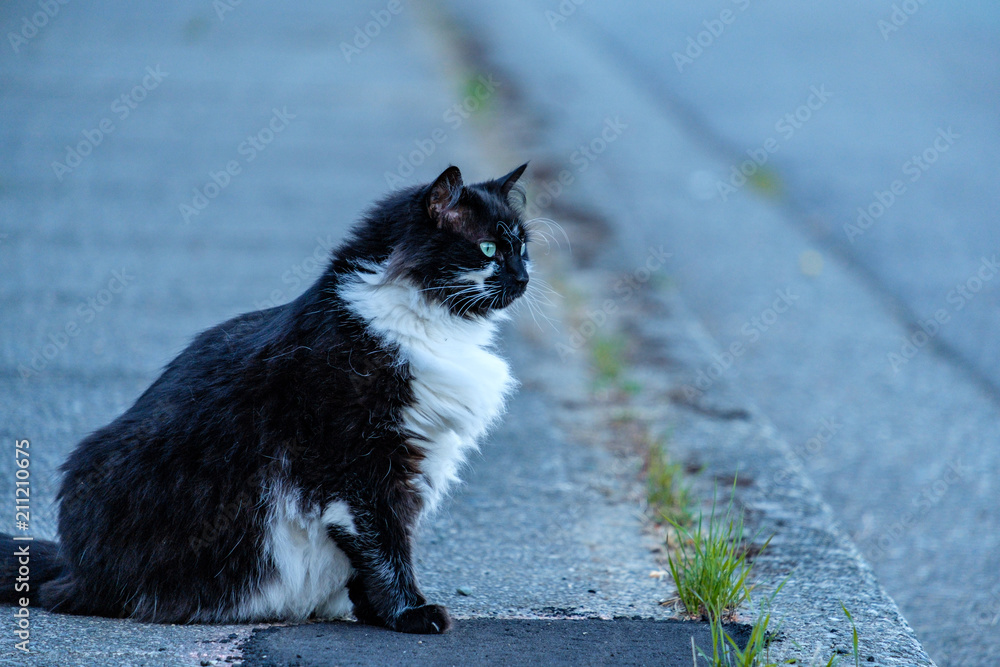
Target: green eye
[(489, 249), (524, 248)]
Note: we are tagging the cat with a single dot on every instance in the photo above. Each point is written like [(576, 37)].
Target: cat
[(279, 466)]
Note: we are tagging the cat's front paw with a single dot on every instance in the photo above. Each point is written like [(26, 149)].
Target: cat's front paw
[(428, 619), (368, 616)]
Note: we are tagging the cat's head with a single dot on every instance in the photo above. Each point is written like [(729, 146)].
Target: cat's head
[(471, 252)]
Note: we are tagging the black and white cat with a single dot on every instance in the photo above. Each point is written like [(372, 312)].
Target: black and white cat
[(278, 467)]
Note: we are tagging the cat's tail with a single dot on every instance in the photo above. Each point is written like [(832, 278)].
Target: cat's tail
[(25, 565)]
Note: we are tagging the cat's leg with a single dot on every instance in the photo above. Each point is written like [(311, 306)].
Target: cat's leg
[(383, 588)]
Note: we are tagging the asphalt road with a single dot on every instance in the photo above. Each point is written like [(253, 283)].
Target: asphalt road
[(895, 416), (489, 642)]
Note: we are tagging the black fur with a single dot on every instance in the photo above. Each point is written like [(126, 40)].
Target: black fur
[(162, 513)]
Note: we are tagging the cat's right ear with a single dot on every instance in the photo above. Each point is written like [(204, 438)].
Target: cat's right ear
[(442, 199)]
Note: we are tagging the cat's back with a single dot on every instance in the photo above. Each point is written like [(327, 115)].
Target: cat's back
[(190, 425)]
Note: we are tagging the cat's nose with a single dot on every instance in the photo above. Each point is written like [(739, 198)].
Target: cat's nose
[(518, 270)]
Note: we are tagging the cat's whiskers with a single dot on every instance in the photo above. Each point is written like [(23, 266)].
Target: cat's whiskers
[(470, 292), (530, 299), (548, 234), (543, 284), (542, 292), (487, 295), (496, 296), (506, 228), (443, 287)]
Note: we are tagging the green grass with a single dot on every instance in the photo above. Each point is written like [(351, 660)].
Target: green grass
[(472, 87), (726, 652), (195, 29), (608, 357), (854, 636), (667, 491), (631, 387), (767, 182), (710, 566)]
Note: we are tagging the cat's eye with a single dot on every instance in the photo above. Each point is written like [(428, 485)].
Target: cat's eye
[(524, 248), (489, 249)]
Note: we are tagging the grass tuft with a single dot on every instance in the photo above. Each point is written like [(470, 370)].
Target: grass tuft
[(726, 652), (472, 89), (608, 356), (710, 567), (766, 182), (854, 635), (667, 492)]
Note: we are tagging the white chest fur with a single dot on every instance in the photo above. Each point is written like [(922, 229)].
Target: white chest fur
[(459, 384)]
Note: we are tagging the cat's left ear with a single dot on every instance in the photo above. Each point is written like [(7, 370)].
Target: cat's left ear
[(507, 182), (442, 198)]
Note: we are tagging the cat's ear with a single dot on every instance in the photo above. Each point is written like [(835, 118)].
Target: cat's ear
[(442, 199), (507, 182)]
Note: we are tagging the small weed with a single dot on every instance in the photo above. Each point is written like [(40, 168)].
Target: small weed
[(631, 387), (666, 490), (623, 417), (726, 652), (710, 567), (608, 355), (710, 571), (195, 29), (854, 635), (767, 182), (472, 89)]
